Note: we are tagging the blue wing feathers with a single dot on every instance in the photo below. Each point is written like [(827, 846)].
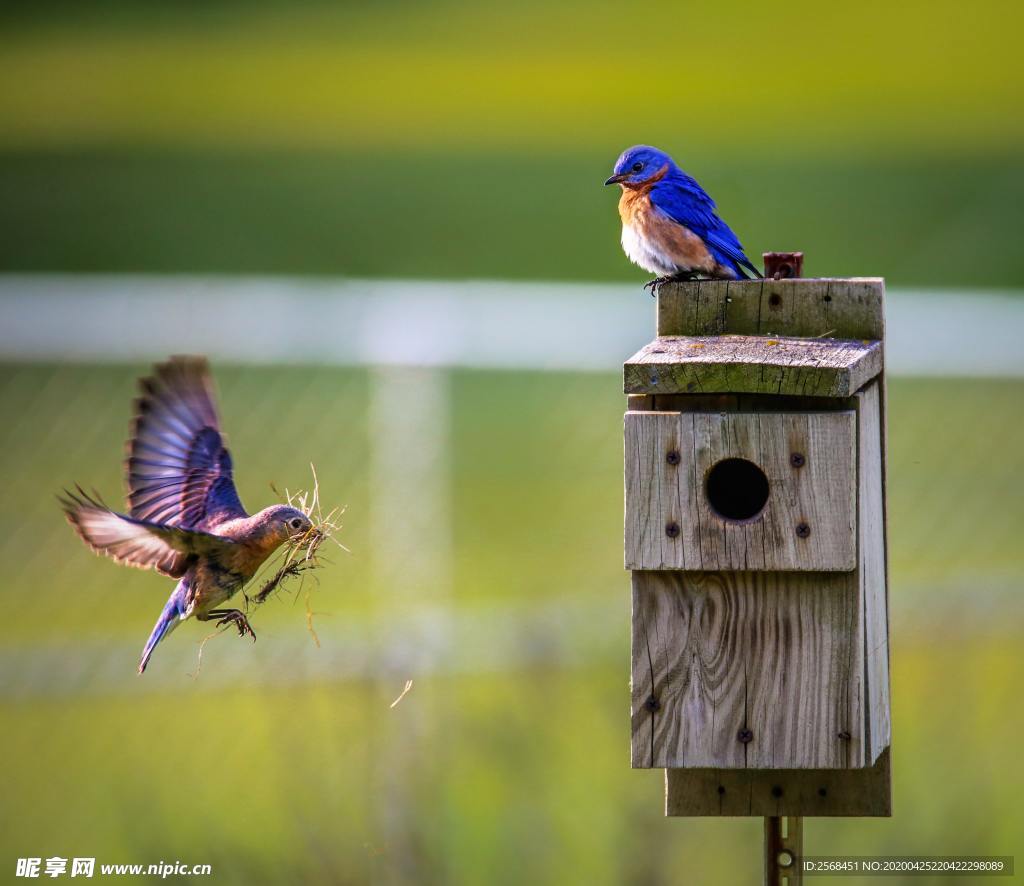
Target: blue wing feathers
[(681, 198), (179, 471)]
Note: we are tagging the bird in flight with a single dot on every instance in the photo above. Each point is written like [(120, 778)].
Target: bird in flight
[(184, 518), (669, 223)]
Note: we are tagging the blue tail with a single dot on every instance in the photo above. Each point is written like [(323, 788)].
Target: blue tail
[(169, 619), (727, 250)]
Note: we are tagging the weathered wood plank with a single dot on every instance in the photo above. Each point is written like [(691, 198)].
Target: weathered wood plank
[(871, 510), (776, 654), (850, 308), (639, 403), (807, 792), (753, 365), (662, 493), (807, 523)]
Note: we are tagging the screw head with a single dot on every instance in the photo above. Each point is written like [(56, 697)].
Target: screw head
[(673, 458), (802, 530), (797, 460), (672, 529), (652, 704), (745, 736), (844, 735)]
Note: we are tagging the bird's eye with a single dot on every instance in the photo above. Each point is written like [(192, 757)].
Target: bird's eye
[(637, 166), (295, 523)]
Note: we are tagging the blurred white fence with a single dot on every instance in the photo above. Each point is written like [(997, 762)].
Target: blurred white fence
[(414, 323)]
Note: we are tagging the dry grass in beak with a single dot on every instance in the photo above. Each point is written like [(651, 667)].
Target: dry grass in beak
[(302, 553)]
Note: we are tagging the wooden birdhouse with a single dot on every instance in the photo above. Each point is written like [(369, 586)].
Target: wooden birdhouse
[(755, 532)]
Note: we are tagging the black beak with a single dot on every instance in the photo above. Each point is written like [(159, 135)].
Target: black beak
[(615, 179)]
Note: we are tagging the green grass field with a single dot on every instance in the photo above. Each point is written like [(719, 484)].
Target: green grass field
[(513, 771)]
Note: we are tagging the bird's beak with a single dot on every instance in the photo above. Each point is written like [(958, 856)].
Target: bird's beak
[(615, 179)]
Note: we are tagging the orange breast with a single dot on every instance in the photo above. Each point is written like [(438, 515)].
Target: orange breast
[(633, 206), (678, 242), (252, 555)]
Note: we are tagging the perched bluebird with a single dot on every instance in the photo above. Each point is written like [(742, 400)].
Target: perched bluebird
[(184, 518), (669, 223)]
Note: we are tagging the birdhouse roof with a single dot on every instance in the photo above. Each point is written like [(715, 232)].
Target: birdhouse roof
[(753, 364)]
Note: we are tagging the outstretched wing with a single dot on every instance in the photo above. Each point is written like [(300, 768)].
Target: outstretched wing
[(147, 545), (681, 198), (179, 472)]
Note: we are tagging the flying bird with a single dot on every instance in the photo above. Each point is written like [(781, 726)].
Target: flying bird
[(669, 223), (184, 518)]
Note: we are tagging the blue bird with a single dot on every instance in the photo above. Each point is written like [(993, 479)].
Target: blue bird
[(184, 518), (669, 223)]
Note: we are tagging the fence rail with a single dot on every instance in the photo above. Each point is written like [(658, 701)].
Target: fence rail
[(481, 324)]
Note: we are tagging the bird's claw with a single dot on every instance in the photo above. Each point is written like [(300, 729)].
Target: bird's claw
[(653, 285), (678, 277), (238, 619)]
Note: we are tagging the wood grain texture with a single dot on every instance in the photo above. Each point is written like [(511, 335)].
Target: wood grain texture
[(805, 367), (819, 495), (751, 792), (851, 308), (872, 570), (777, 654)]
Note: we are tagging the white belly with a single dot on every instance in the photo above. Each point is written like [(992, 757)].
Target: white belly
[(644, 253)]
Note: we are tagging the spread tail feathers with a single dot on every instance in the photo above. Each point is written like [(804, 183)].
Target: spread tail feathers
[(169, 619)]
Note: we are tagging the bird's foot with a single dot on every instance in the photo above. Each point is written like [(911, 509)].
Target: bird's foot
[(653, 285), (677, 277), (235, 617)]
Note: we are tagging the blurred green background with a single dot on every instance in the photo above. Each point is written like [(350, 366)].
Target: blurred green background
[(454, 140)]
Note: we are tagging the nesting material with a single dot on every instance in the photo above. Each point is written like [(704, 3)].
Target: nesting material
[(302, 554)]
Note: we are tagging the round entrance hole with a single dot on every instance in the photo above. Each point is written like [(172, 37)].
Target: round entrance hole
[(737, 489)]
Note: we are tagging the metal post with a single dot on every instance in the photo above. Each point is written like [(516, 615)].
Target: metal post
[(780, 265), (783, 850)]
